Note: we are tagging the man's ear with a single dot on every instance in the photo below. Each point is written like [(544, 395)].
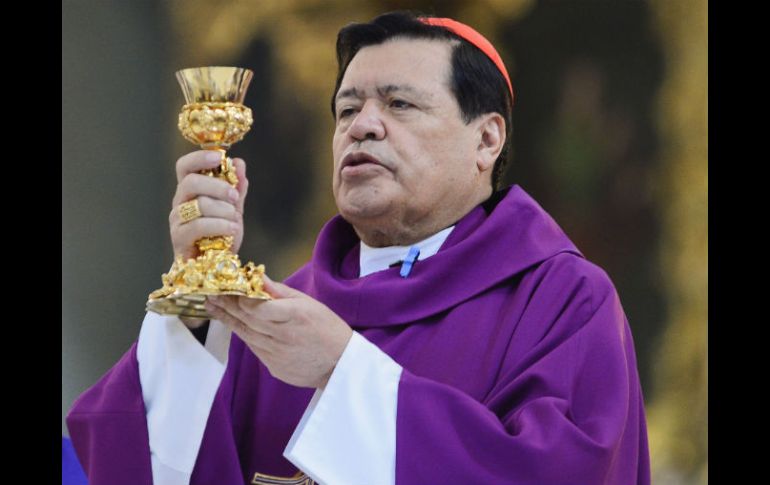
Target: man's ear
[(491, 140)]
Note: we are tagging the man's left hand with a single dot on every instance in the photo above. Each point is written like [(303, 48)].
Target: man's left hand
[(298, 338)]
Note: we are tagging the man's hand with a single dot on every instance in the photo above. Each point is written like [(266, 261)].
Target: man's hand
[(220, 204), (298, 338)]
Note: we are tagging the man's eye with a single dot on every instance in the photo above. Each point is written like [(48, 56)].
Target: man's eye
[(346, 112), (400, 104)]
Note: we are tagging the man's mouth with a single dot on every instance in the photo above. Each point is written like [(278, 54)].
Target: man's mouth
[(358, 158), (359, 163)]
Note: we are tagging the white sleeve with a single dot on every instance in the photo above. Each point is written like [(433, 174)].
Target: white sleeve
[(348, 432), (179, 379)]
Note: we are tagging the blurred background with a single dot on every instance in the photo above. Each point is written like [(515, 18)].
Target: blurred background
[(609, 135)]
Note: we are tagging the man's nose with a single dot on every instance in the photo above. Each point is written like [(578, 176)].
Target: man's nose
[(368, 123)]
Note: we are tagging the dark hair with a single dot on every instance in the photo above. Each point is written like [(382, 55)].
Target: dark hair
[(477, 84)]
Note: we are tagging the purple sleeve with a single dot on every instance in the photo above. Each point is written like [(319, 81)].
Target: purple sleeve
[(566, 408), (108, 428)]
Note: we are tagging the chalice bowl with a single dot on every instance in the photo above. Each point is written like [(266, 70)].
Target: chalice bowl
[(213, 118)]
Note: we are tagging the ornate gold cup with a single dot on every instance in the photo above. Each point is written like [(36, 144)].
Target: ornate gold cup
[(214, 118)]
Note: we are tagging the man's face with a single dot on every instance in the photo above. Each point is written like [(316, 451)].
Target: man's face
[(402, 154)]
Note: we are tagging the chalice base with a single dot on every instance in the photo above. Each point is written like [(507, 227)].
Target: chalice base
[(213, 273)]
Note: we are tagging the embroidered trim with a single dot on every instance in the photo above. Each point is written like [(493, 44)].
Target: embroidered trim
[(298, 479)]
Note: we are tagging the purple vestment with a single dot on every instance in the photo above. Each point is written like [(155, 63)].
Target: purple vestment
[(519, 367)]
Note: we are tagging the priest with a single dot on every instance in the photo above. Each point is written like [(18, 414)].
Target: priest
[(445, 329)]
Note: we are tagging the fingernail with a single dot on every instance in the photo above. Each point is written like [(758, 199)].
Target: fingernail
[(233, 228), (233, 195), (213, 157)]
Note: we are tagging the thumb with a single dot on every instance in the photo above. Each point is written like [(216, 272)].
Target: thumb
[(279, 290), (243, 182)]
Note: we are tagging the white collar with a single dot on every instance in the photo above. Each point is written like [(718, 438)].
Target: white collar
[(372, 259)]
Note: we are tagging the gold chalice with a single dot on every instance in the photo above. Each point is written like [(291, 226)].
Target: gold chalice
[(214, 118)]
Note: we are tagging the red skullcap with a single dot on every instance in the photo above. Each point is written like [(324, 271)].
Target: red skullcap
[(469, 34)]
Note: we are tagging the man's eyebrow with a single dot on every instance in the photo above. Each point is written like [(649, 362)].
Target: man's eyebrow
[(382, 91), (349, 93), (394, 88)]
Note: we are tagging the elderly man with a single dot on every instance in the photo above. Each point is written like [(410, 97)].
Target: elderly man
[(443, 331)]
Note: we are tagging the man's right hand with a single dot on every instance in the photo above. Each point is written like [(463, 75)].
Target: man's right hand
[(220, 204)]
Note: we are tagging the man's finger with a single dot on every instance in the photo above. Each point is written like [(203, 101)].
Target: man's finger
[(204, 227), (195, 185), (244, 331), (246, 310), (195, 162), (279, 290), (213, 208)]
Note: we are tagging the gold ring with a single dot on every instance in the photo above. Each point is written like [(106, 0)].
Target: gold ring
[(189, 211)]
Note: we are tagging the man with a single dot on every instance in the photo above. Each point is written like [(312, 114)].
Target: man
[(441, 333)]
